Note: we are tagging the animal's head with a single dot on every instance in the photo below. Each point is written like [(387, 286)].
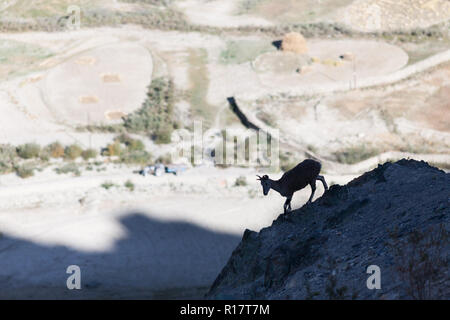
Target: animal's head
[(265, 182)]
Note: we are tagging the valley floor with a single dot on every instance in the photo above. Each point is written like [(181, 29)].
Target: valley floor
[(169, 237)]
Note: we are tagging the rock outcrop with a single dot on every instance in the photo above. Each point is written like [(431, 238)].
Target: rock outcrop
[(395, 217)]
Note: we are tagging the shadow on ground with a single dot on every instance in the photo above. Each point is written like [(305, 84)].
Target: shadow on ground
[(155, 260)]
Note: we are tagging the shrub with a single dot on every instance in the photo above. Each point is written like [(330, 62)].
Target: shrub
[(155, 117), (72, 152), (130, 185), (107, 185), (240, 181), (355, 154), (55, 149), (134, 153), (68, 168), (162, 135), (421, 260), (29, 150), (89, 154), (136, 145), (7, 156), (108, 128), (130, 143), (135, 157), (24, 171), (5, 167), (113, 149), (165, 159), (44, 155)]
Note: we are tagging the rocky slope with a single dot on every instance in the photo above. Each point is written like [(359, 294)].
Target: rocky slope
[(395, 217)]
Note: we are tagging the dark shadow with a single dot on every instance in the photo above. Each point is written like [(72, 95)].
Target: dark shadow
[(277, 44), (155, 259), (242, 117)]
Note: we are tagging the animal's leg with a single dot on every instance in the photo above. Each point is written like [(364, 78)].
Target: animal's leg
[(287, 204), (322, 179), (313, 189)]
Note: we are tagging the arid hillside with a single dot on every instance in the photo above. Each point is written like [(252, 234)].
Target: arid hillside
[(395, 217)]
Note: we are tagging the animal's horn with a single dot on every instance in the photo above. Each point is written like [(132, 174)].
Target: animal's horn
[(259, 178)]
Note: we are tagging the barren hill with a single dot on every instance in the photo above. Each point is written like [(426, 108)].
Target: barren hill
[(395, 217)]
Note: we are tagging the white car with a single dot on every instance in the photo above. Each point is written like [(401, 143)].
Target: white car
[(156, 170)]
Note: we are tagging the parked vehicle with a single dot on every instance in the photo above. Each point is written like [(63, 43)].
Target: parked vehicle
[(175, 169), (158, 169)]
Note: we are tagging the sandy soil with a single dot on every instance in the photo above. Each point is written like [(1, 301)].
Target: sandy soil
[(388, 15), (361, 15), (218, 13), (97, 83), (330, 70)]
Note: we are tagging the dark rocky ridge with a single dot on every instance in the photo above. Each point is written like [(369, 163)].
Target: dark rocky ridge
[(323, 249)]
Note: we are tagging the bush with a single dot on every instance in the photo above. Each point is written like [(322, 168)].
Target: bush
[(72, 152), (421, 260), (155, 117), (356, 154), (107, 185), (113, 149), (135, 157), (165, 159), (7, 155), (44, 155), (240, 181), (163, 135), (68, 168), (24, 171), (136, 145), (130, 185), (130, 143), (134, 153), (55, 149), (29, 150), (89, 154)]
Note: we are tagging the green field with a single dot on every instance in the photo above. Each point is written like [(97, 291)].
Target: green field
[(244, 51)]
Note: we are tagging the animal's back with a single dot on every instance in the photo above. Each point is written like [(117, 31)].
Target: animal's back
[(302, 174)]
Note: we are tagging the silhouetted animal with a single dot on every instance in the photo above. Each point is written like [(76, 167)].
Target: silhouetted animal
[(306, 172)]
